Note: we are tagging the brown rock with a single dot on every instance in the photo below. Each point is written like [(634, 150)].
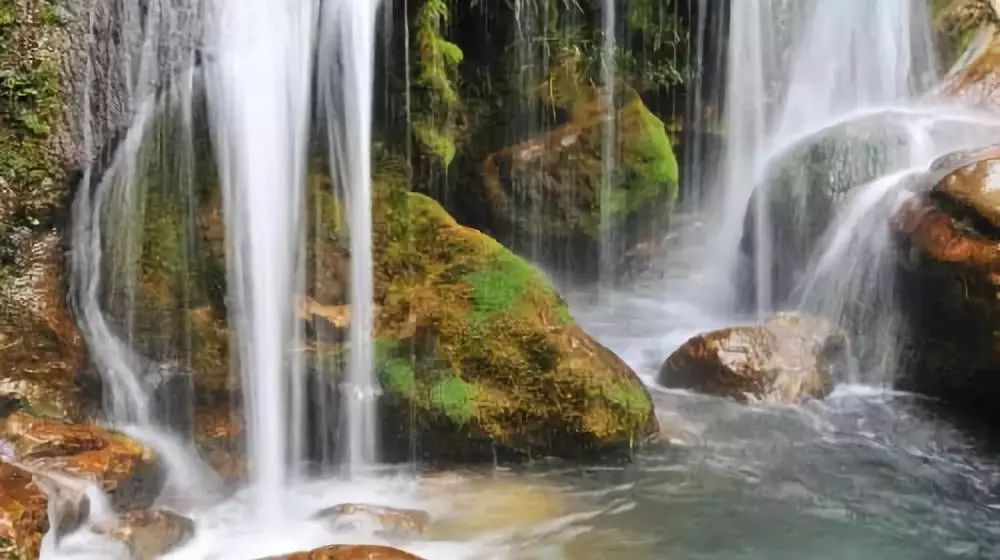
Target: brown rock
[(350, 552), (150, 533), (788, 359), (949, 251), (23, 518), (391, 520), (126, 470)]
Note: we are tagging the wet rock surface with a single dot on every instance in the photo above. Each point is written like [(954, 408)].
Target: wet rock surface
[(949, 254), (542, 196), (149, 534), (787, 360), (388, 519), (350, 552), (23, 513), (126, 470)]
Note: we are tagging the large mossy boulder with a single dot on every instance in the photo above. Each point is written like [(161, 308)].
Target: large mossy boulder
[(479, 356), (949, 254), (788, 359), (542, 198)]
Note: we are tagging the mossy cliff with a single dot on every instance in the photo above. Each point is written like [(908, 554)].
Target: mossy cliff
[(478, 353)]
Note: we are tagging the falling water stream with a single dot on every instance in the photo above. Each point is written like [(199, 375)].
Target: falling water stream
[(865, 473)]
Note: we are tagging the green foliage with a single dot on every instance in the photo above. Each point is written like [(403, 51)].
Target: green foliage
[(500, 287), (435, 127), (454, 397)]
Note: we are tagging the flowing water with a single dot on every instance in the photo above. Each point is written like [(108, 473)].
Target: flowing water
[(865, 473)]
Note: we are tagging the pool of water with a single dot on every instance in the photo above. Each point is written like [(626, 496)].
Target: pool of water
[(863, 474)]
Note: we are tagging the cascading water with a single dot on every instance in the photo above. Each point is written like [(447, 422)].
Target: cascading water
[(260, 143), (608, 257), (347, 62), (795, 68)]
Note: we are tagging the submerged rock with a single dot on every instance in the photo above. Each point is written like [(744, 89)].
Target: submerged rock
[(949, 251), (789, 359), (149, 534), (478, 356), (542, 197), (390, 520), (350, 552)]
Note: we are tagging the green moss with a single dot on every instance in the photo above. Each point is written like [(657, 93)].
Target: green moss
[(437, 63), (454, 398), (397, 377), (500, 287)]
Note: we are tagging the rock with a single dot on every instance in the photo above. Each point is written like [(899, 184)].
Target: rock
[(149, 534), (477, 354), (805, 187), (23, 514), (949, 254), (350, 552), (125, 470), (975, 79), (543, 196), (68, 503), (789, 359), (391, 520)]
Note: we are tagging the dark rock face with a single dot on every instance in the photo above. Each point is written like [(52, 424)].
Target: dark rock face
[(949, 251), (787, 360)]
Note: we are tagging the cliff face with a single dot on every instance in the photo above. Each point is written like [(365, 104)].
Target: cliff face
[(68, 75)]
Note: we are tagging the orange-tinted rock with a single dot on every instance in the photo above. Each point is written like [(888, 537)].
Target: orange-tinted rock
[(40, 346), (350, 552), (388, 519), (976, 81), (23, 517), (949, 250), (126, 470), (788, 359)]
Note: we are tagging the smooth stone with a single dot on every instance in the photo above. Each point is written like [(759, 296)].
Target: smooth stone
[(787, 360), (391, 520)]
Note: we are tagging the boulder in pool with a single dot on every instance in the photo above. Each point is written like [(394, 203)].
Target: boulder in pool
[(350, 552), (395, 521), (479, 357), (789, 359), (149, 533), (949, 258)]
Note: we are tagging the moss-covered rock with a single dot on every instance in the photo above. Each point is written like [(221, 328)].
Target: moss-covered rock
[(478, 354), (543, 197)]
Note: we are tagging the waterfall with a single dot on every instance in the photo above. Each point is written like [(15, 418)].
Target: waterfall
[(253, 95), (347, 60), (794, 67), (608, 257), (260, 141)]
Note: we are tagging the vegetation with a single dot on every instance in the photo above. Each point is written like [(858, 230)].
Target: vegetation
[(435, 123)]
